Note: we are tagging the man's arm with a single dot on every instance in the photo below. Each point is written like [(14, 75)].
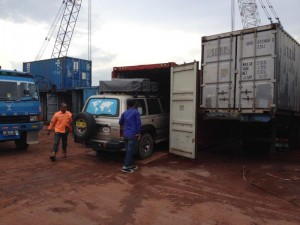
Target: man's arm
[(52, 123)]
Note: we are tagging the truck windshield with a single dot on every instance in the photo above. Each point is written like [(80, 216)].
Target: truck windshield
[(17, 91), (103, 107)]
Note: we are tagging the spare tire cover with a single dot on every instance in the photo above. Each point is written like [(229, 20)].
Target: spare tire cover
[(84, 125)]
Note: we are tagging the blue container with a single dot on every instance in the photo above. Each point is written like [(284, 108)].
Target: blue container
[(65, 73)]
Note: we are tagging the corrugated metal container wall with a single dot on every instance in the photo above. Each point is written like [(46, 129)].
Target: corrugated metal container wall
[(250, 71), (66, 73), (87, 92), (288, 67)]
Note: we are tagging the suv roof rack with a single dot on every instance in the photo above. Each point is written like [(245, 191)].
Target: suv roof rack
[(129, 86)]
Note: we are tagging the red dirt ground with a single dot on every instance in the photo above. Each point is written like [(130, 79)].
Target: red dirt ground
[(218, 188)]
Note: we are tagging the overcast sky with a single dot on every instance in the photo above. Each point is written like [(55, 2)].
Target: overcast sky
[(126, 32)]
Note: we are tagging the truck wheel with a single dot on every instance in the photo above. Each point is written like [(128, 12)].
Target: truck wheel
[(145, 146), (21, 144), (84, 125)]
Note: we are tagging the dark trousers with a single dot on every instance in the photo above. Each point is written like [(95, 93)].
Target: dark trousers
[(64, 139), (130, 145)]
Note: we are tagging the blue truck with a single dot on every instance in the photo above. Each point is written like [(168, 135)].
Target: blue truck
[(20, 109)]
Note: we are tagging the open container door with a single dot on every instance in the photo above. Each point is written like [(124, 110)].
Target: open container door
[(183, 110)]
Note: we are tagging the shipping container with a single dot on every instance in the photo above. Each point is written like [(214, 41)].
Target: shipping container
[(252, 71), (178, 87), (252, 76), (65, 73), (159, 73), (89, 91), (80, 95), (173, 94)]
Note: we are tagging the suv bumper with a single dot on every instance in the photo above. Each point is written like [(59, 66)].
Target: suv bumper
[(106, 145)]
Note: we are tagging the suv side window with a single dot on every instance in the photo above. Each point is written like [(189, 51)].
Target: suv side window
[(140, 106), (153, 106)]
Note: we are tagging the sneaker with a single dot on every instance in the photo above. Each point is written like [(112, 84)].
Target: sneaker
[(133, 167), (127, 170), (64, 155), (52, 156)]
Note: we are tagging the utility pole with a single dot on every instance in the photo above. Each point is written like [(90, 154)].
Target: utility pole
[(89, 30), (232, 15)]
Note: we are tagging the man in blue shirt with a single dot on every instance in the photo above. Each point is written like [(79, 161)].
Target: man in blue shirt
[(131, 120)]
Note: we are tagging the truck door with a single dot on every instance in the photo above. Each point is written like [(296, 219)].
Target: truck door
[(183, 110)]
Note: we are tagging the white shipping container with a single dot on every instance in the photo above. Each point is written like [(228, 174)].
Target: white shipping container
[(250, 71)]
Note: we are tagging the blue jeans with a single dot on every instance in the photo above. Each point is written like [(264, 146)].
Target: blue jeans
[(130, 145), (64, 138)]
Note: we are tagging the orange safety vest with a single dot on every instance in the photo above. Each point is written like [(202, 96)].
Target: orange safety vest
[(61, 122)]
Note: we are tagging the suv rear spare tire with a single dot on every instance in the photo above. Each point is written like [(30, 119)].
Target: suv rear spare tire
[(84, 125)]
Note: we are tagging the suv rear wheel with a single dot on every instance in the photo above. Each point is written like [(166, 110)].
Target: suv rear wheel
[(145, 146)]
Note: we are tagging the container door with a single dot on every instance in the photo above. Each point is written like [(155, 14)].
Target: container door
[(218, 69), (255, 79), (183, 108)]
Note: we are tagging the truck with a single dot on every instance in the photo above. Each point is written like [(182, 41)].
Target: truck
[(251, 77), (169, 114), (20, 109)]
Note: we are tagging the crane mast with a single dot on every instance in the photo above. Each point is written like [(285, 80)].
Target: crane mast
[(66, 28)]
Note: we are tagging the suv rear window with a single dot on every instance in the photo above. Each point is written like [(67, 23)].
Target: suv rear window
[(103, 107)]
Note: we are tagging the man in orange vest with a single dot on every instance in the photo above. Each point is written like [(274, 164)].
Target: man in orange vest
[(61, 122)]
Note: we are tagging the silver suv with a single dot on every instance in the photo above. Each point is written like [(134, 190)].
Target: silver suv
[(98, 123)]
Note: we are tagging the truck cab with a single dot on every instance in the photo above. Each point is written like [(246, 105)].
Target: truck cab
[(20, 109)]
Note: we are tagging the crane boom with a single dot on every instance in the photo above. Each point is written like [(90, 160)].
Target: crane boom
[(67, 25)]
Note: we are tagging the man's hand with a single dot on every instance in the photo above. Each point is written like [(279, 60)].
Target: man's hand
[(48, 132)]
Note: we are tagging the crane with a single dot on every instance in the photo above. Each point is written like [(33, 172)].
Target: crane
[(272, 10), (68, 12), (249, 12), (66, 28), (50, 33)]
